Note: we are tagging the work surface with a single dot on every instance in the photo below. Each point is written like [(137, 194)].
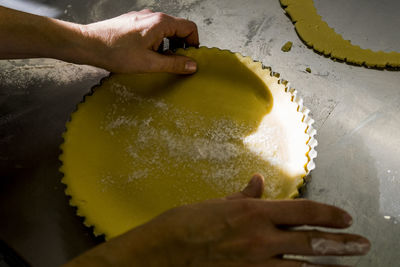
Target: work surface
[(356, 112)]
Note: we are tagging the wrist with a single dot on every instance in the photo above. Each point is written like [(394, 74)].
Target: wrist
[(70, 42), (73, 44), (142, 246), (149, 244), (87, 48)]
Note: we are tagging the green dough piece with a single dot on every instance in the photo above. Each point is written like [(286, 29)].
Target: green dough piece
[(287, 47), (308, 70), (317, 34)]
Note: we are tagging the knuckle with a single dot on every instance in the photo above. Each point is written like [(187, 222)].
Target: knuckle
[(312, 235), (175, 64), (309, 236), (194, 25), (160, 16), (171, 64), (243, 215), (246, 205), (256, 241), (307, 208), (273, 242)]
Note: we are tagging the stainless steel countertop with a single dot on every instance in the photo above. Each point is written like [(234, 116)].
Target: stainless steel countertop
[(356, 112)]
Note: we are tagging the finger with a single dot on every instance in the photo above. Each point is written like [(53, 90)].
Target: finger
[(318, 243), (254, 189), (191, 39), (306, 212), (171, 63), (295, 263), (183, 28)]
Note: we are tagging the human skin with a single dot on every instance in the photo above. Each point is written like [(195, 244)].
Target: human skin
[(124, 44), (239, 230)]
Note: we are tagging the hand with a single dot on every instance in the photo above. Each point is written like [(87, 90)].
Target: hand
[(128, 43), (236, 231), (124, 44)]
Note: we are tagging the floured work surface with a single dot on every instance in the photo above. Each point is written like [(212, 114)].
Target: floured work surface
[(142, 144)]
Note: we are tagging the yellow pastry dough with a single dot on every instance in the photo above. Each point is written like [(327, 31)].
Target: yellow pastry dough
[(287, 46), (317, 34), (144, 143)]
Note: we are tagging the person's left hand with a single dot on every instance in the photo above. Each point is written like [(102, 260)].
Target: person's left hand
[(239, 230), (128, 43)]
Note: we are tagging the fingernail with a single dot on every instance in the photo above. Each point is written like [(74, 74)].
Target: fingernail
[(324, 246), (257, 181), (257, 177), (347, 219), (190, 66)]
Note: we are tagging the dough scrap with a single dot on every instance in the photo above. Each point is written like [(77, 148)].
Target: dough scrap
[(318, 35), (287, 47), (144, 143)]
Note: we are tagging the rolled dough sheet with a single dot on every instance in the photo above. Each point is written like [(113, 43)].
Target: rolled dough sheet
[(144, 143)]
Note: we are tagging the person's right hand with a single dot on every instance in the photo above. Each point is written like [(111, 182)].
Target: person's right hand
[(239, 230)]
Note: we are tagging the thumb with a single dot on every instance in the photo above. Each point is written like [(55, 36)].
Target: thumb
[(254, 188), (172, 64)]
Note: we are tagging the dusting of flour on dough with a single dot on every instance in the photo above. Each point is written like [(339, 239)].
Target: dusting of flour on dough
[(226, 147)]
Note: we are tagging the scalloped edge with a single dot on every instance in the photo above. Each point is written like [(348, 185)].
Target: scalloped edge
[(73, 202), (262, 69), (312, 142), (391, 58)]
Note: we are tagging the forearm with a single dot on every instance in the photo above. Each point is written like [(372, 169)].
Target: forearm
[(124, 44), (25, 35), (142, 246)]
